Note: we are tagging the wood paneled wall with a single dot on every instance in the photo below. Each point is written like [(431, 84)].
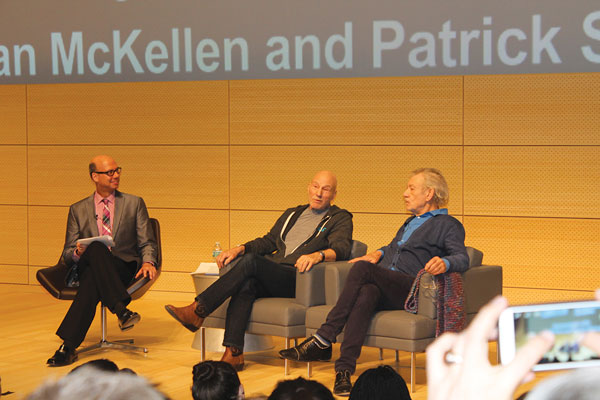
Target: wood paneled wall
[(219, 161)]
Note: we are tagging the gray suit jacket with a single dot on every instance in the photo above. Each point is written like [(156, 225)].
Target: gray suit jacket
[(132, 232)]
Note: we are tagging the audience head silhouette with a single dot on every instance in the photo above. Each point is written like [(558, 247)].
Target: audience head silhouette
[(300, 389), (379, 383), (216, 380)]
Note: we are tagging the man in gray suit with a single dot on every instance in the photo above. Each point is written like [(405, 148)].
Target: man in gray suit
[(104, 272)]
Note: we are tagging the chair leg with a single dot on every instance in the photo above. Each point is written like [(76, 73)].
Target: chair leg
[(380, 354), (397, 356), (286, 367), (125, 344), (202, 344), (413, 371), (309, 369)]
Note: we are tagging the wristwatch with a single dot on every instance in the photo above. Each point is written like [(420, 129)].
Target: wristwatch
[(322, 255)]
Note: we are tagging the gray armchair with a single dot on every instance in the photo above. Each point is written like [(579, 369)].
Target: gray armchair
[(277, 316), (399, 329)]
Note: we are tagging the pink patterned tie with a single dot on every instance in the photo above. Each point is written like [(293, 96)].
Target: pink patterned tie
[(106, 228)]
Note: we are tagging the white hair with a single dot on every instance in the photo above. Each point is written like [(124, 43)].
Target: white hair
[(90, 383), (583, 384)]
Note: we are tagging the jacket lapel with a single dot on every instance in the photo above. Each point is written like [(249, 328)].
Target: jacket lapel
[(118, 212), (92, 217)]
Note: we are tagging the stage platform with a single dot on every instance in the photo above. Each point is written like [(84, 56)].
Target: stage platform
[(29, 317)]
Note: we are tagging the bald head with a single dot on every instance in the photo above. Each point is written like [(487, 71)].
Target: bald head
[(105, 173), (98, 162), (322, 190)]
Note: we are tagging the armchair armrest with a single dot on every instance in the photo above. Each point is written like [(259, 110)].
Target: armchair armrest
[(310, 286), (336, 273), (481, 284), (427, 296)]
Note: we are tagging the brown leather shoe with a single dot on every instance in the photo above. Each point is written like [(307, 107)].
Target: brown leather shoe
[(236, 361), (186, 316)]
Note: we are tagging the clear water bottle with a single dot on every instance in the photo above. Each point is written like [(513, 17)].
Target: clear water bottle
[(216, 251)]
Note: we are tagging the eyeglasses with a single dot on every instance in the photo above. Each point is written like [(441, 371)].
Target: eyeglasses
[(110, 172)]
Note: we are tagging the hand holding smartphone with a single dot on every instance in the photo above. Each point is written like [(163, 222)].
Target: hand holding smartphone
[(569, 322)]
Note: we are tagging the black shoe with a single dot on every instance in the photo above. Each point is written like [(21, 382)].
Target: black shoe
[(309, 350), (128, 319), (63, 356), (342, 385)]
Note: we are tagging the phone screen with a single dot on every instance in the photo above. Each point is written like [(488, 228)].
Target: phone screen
[(568, 325)]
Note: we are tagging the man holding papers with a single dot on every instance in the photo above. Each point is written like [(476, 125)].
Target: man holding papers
[(104, 270)]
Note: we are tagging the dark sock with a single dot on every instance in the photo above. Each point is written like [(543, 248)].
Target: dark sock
[(322, 341), (68, 345), (122, 313), (119, 309)]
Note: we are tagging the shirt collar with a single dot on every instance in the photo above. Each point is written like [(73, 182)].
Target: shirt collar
[(98, 198), (439, 211)]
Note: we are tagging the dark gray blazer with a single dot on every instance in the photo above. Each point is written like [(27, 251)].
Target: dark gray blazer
[(132, 232)]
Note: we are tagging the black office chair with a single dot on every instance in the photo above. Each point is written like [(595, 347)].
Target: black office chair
[(53, 280)]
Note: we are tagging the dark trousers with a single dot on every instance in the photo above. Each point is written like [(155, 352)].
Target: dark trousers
[(102, 278), (368, 288), (252, 277)]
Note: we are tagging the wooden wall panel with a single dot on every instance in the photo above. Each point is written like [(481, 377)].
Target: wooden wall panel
[(58, 175), (129, 113), (13, 235), (188, 236), (533, 181), (13, 114), (165, 176), (424, 110), (525, 174), (47, 227), (540, 252), (14, 274), (13, 175), (32, 271), (535, 109), (248, 225), (517, 296), (174, 282), (370, 178)]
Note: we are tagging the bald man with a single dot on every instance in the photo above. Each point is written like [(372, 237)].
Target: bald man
[(266, 267), (104, 273)]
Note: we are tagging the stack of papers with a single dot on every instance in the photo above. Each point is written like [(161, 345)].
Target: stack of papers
[(106, 240), (207, 268)]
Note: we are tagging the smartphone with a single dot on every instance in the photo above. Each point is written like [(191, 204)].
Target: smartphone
[(568, 321)]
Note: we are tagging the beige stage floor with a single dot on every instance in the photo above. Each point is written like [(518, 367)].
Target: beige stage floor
[(30, 316)]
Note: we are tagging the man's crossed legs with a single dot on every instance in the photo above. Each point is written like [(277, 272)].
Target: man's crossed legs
[(368, 288)]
